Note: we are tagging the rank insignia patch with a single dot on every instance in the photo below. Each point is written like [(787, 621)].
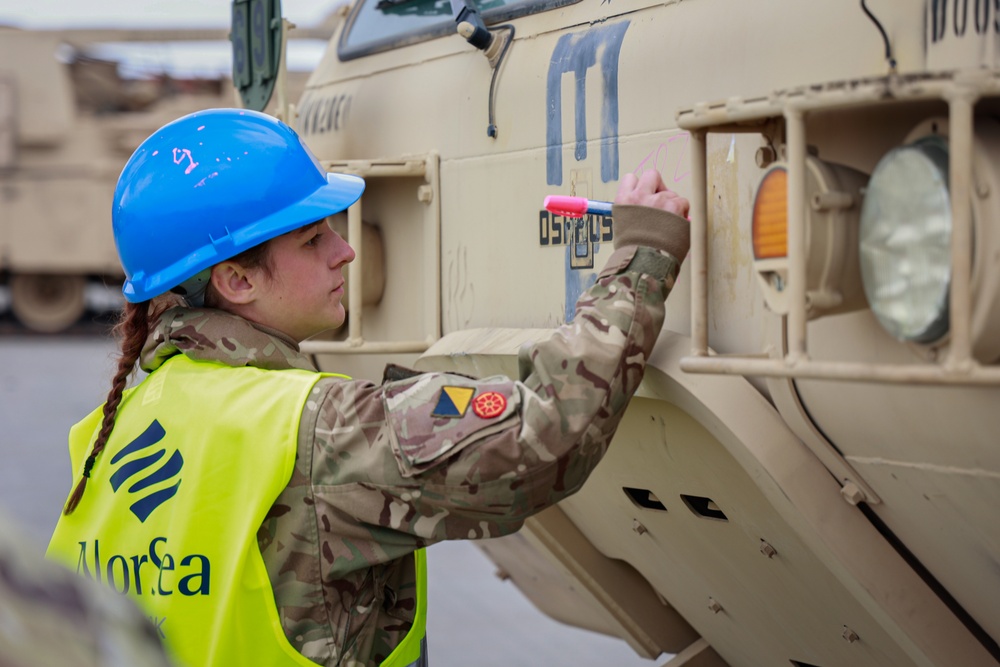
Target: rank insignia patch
[(453, 402), (489, 405)]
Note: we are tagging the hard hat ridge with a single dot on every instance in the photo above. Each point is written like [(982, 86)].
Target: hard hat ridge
[(210, 185)]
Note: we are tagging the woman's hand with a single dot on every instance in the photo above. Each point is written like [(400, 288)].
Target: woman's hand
[(650, 190)]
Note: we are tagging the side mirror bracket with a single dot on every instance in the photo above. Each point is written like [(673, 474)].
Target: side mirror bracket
[(469, 24)]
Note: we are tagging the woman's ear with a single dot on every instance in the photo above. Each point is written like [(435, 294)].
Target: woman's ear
[(233, 283)]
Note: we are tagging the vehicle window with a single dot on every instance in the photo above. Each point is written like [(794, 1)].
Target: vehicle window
[(380, 25)]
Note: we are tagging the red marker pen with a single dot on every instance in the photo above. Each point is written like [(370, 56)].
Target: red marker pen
[(576, 207)]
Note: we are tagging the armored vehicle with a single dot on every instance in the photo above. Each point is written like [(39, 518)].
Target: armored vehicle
[(810, 471), (69, 120)]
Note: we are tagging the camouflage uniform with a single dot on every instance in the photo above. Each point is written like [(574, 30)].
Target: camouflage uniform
[(51, 616), (383, 470)]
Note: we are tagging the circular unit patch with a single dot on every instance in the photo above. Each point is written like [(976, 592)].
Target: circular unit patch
[(489, 405)]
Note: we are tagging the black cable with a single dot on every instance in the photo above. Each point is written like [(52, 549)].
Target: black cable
[(885, 37), (491, 130)]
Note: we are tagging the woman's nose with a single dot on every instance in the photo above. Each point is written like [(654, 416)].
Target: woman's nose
[(342, 252)]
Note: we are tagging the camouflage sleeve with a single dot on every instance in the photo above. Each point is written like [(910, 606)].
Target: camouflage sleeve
[(443, 456)]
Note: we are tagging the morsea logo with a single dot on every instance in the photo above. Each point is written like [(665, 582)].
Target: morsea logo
[(139, 466)]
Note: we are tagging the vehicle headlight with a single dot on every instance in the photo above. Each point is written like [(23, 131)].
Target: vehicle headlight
[(905, 241)]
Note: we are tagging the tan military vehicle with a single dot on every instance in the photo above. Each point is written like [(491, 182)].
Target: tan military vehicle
[(68, 123), (810, 475)]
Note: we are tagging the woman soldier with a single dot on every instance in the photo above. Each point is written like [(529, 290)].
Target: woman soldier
[(263, 513)]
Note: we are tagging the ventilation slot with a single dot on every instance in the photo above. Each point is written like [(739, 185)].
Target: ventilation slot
[(707, 509), (644, 498), (796, 663)]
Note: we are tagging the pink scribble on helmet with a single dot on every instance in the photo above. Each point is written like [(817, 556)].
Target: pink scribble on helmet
[(202, 181), (180, 154)]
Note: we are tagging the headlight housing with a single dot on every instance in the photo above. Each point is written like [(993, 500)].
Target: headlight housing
[(905, 241), (832, 277)]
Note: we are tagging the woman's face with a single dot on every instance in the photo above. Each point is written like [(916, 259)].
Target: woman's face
[(302, 296)]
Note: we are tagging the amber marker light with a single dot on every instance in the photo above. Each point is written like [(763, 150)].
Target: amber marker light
[(770, 216)]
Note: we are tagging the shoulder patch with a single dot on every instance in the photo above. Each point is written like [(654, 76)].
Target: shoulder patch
[(433, 416), (453, 402), (489, 405)]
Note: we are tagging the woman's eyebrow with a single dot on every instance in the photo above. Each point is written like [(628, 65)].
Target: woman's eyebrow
[(307, 228)]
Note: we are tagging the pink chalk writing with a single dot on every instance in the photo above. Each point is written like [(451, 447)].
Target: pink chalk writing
[(202, 181), (180, 154), (670, 153)]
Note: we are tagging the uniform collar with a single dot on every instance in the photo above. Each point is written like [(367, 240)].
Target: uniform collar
[(208, 334)]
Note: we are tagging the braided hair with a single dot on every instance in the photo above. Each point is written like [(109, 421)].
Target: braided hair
[(132, 329)]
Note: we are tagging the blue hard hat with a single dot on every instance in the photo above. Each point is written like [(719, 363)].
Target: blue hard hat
[(210, 185)]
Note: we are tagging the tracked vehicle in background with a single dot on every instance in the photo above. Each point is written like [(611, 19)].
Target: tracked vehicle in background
[(810, 471)]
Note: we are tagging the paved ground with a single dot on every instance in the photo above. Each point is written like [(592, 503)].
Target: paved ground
[(474, 619)]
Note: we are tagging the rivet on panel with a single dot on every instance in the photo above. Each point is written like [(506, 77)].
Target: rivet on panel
[(767, 549), (638, 527), (850, 635), (714, 606)]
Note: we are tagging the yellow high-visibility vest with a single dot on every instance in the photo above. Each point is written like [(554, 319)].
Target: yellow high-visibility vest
[(173, 505)]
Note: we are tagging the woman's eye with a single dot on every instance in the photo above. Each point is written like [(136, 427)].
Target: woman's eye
[(314, 240)]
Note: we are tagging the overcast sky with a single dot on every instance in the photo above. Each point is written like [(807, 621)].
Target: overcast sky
[(179, 58), (143, 13)]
